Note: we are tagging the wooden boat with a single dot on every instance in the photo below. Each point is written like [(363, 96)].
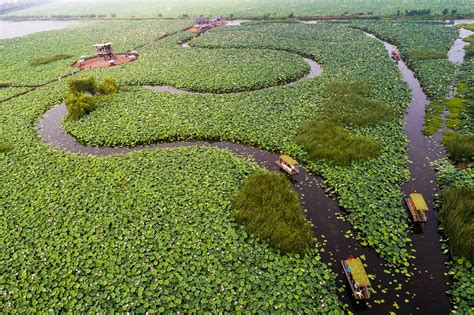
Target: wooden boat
[(417, 206), (288, 164), (357, 277), (396, 56)]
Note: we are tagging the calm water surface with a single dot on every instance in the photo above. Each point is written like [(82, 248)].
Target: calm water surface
[(9, 29)]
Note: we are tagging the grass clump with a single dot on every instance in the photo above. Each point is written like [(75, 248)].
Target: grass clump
[(350, 105), (268, 208), (425, 55), (79, 104), (469, 39), (457, 218), (460, 147), (433, 119), (43, 60), (83, 85), (455, 106), (356, 110), (361, 88), (5, 148), (466, 26), (108, 86), (469, 49), (5, 83), (325, 140), (81, 97)]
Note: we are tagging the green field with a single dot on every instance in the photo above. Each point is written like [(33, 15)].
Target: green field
[(175, 8), (201, 229)]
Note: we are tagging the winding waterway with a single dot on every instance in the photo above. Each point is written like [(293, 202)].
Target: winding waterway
[(425, 292)]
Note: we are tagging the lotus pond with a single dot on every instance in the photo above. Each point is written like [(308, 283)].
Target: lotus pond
[(153, 230)]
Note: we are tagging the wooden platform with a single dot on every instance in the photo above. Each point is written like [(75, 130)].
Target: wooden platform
[(101, 62)]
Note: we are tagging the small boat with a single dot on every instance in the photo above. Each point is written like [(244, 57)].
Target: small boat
[(396, 56), (417, 206), (288, 164), (357, 277)]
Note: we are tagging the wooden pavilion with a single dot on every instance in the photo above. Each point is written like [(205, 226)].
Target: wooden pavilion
[(104, 50)]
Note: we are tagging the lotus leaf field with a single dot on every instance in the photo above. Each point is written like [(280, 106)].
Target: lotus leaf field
[(172, 229), (239, 9), (78, 40), (424, 46), (346, 54)]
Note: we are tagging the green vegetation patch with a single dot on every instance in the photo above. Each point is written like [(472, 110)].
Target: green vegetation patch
[(268, 208), (271, 119), (433, 118), (424, 46), (6, 93), (325, 140), (469, 27), (462, 291), (460, 146), (424, 54), (43, 60), (455, 106), (5, 83), (5, 148), (78, 40), (259, 9), (457, 218), (435, 76), (349, 106), (81, 97), (469, 39), (145, 231), (212, 70)]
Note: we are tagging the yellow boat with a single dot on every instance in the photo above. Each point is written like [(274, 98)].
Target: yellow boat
[(417, 206), (288, 164), (357, 277)]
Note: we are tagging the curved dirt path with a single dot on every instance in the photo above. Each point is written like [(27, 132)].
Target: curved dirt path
[(429, 283)]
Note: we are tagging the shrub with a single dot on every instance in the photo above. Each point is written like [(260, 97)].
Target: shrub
[(425, 54), (325, 140), (83, 85), (268, 208), (460, 147), (457, 218), (79, 104), (108, 86), (42, 60)]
